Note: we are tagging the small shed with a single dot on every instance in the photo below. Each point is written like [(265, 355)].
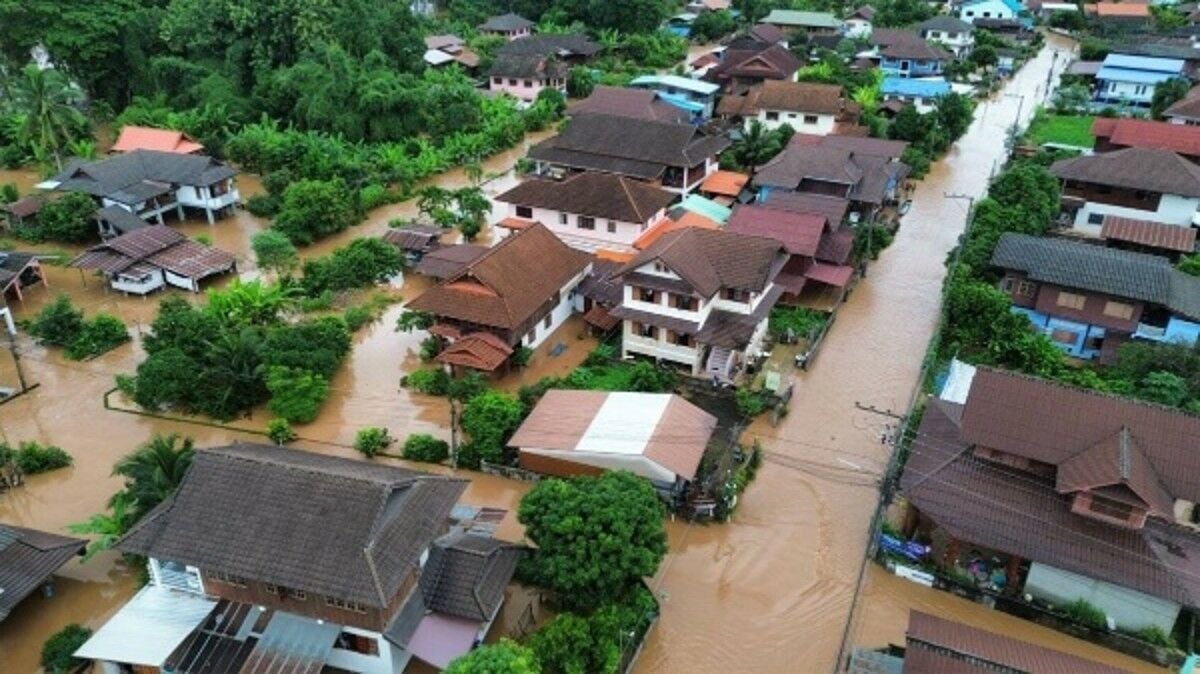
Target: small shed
[(17, 212), (415, 240), (149, 258)]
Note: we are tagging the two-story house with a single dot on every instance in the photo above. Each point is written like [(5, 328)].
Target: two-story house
[(149, 183), (1137, 182), (697, 97), (523, 68), (515, 294), (1074, 494), (1089, 299), (676, 157), (904, 53), (628, 102), (699, 299), (860, 22), (819, 249), (1130, 80), (955, 34), (588, 211), (807, 107), (867, 172), (973, 10), (273, 559), (750, 60), (508, 26), (811, 23)]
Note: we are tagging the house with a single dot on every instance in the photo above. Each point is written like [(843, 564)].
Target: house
[(414, 240), (442, 50), (954, 34), (523, 68), (1117, 133), (1089, 299), (972, 11), (19, 271), (149, 183), (769, 35), (1185, 111), (751, 63), (936, 644), (22, 211), (281, 559), (1076, 494), (676, 157), (515, 294), (447, 261), (696, 97), (588, 211), (923, 94), (508, 26), (807, 107), (699, 299), (152, 257), (115, 220), (1130, 80), (1137, 182), (662, 436), (1147, 236), (903, 53), (813, 23), (832, 209), (134, 138), (678, 218), (724, 187), (627, 102), (28, 560), (819, 250), (859, 22), (1122, 14), (867, 172), (680, 24)]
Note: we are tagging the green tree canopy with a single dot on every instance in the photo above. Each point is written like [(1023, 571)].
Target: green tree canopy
[(155, 470), (489, 419), (505, 657), (1167, 94), (274, 252), (314, 209)]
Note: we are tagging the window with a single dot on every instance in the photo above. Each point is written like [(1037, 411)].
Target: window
[(1140, 90), (357, 643), (1066, 337), (661, 268), (678, 338), (271, 588), (586, 222), (547, 321), (1071, 300), (228, 578), (684, 302), (1026, 288), (529, 83), (1095, 218), (612, 227), (647, 295), (1120, 310), (772, 116), (299, 595), (345, 605), (562, 218), (524, 212), (1007, 285), (735, 295), (497, 80), (810, 119), (1110, 508), (647, 331), (512, 82)]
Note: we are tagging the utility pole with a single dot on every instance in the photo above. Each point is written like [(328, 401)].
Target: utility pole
[(966, 229), (1012, 130), (11, 330)]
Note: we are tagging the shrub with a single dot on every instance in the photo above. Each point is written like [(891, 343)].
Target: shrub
[(58, 323), (1156, 635), (296, 394), (1085, 613), (601, 355), (320, 302), (33, 458), (58, 650), (430, 346), (434, 382), (489, 418), (67, 219), (280, 431), (425, 447), (357, 316), (798, 321), (361, 263), (264, 205), (100, 334), (522, 355), (314, 209), (751, 403), (371, 441), (274, 252)]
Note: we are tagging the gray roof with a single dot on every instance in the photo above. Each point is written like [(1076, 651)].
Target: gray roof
[(633, 147), (466, 574), (573, 44), (528, 66), (1138, 168), (505, 23), (133, 176), (329, 526), (27, 558), (1121, 273), (867, 168), (945, 23), (121, 220)]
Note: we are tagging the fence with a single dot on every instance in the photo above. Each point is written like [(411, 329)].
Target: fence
[(511, 472)]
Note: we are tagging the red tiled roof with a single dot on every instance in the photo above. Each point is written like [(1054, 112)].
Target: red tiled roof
[(836, 246), (1149, 233), (687, 219), (800, 233), (1146, 133), (163, 140), (1122, 9), (477, 350), (601, 318), (725, 183)]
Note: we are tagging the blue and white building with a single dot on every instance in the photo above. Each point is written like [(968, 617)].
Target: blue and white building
[(922, 93), (1130, 80), (695, 96), (971, 10)]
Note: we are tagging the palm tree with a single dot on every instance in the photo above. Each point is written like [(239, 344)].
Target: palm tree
[(110, 526), (47, 99), (152, 473), (756, 146)]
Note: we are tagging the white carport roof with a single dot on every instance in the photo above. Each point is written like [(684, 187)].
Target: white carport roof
[(148, 628)]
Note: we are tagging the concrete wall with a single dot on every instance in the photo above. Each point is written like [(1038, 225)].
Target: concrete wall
[(560, 313), (1172, 209), (657, 348), (922, 105), (993, 9), (525, 89), (391, 660), (589, 240), (1129, 609), (1116, 91), (858, 28), (823, 126)]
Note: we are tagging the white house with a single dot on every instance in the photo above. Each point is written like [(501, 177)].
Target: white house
[(1130, 80), (859, 23), (922, 93), (807, 107), (695, 96), (588, 211), (699, 299), (146, 259), (1137, 182), (955, 34), (990, 9)]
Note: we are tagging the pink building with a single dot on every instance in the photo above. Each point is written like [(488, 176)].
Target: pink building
[(510, 26)]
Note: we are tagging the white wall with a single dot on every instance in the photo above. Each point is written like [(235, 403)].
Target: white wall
[(128, 286), (1172, 210), (1130, 609), (525, 89), (959, 43), (657, 348), (822, 127), (560, 313), (593, 239), (992, 9), (391, 660), (918, 102), (1134, 93), (858, 28)]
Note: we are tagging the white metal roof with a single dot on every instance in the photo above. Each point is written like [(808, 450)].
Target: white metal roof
[(958, 382), (436, 57), (624, 424), (148, 628)]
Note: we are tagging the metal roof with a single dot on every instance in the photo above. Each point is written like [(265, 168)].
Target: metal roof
[(697, 86), (904, 86), (1162, 65), (148, 628)]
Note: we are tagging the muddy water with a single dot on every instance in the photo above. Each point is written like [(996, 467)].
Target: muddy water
[(771, 591)]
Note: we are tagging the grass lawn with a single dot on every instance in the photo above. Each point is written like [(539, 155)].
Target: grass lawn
[(1065, 129)]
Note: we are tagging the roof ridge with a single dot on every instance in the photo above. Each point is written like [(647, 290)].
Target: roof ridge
[(628, 195), (1088, 391)]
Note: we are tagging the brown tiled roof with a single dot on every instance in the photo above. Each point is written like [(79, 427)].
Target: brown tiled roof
[(506, 286), (835, 247), (865, 165), (1116, 460), (832, 208), (634, 147), (600, 195), (528, 66), (601, 318), (1148, 233), (23, 208), (155, 246), (27, 559), (628, 102), (1187, 107), (710, 260), (1135, 168), (422, 238), (830, 274), (773, 62), (681, 220), (937, 645), (802, 97), (466, 575), (329, 526), (477, 350), (599, 286), (800, 233), (449, 260), (732, 330), (1180, 138), (905, 44)]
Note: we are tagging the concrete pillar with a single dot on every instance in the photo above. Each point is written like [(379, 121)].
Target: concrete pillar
[(179, 211), (158, 215), (209, 214)]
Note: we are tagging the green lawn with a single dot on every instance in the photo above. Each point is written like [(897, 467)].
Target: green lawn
[(1065, 129)]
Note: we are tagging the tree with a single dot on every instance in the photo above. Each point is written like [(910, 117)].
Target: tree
[(274, 252), (711, 26), (1163, 387), (67, 219), (314, 209), (954, 113), (108, 527), (99, 334), (489, 419), (46, 100), (984, 56), (473, 205), (371, 441), (361, 263), (296, 394), (154, 471), (596, 537), (505, 657), (425, 447), (1167, 94), (757, 146), (58, 651), (244, 303), (1189, 264), (1072, 98), (58, 323)]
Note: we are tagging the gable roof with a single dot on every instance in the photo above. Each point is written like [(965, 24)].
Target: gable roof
[(600, 195), (1130, 132), (632, 147), (466, 575), (628, 102), (689, 84), (1139, 168), (506, 23), (414, 237), (725, 183), (1187, 108), (163, 140), (1014, 5), (159, 246), (765, 62), (1149, 233), (833, 209), (570, 44), (712, 259), (137, 175), (826, 99), (801, 19), (906, 44), (865, 12), (1122, 9), (27, 558), (447, 261), (864, 165), (507, 285), (1139, 69), (528, 66), (1111, 271), (800, 233), (946, 24), (330, 526), (768, 33)]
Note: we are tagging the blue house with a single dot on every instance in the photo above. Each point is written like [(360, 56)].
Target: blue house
[(681, 24), (923, 94), (1089, 299), (695, 96), (1130, 80), (971, 10), (906, 54)]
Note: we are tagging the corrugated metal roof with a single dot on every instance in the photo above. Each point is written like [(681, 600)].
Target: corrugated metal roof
[(1134, 75), (686, 83), (1161, 65), (148, 628), (905, 86)]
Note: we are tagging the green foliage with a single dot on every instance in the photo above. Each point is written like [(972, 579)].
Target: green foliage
[(504, 657), (895, 13), (414, 320), (274, 252), (917, 160), (243, 303), (595, 537), (799, 321), (58, 323), (601, 355), (371, 441), (1163, 387), (1189, 264), (361, 263), (433, 381), (594, 643), (59, 649), (711, 26), (280, 431), (522, 355), (489, 419), (1072, 20), (870, 239), (9, 193), (314, 209), (1064, 128), (47, 105), (67, 219), (756, 147), (357, 316), (1084, 612), (296, 394), (1168, 19), (1156, 635), (99, 334), (1167, 94), (425, 447), (32, 457), (751, 403), (430, 346)]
